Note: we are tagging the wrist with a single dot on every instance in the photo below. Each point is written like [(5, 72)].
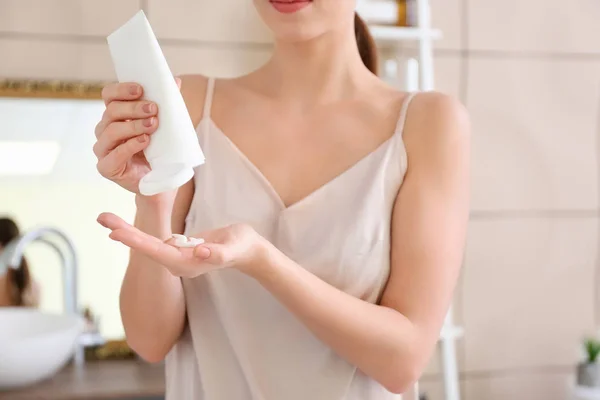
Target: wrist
[(261, 264), (154, 203)]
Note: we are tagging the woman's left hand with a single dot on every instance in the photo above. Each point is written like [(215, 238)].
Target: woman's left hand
[(238, 246)]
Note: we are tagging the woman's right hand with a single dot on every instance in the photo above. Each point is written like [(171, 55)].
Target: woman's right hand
[(123, 133)]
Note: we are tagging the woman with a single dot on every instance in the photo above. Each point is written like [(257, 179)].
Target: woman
[(334, 210), (17, 288)]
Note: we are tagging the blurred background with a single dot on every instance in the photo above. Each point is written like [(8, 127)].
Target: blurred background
[(528, 72)]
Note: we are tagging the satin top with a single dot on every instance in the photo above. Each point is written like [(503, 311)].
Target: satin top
[(240, 343)]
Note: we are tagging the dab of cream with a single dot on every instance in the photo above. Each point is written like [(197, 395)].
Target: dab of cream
[(184, 241)]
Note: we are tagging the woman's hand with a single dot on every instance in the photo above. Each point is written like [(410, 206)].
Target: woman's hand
[(238, 246), (123, 133)]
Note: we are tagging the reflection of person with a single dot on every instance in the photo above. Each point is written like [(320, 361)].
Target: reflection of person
[(334, 210), (17, 287)]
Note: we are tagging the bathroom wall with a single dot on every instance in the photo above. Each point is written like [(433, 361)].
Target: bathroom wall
[(528, 71)]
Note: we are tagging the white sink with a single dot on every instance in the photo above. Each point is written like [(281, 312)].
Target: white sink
[(34, 345)]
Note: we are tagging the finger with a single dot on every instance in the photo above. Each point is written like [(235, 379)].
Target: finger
[(121, 91), (126, 110), (213, 253), (178, 81), (115, 161), (149, 245), (112, 221), (100, 126), (118, 132)]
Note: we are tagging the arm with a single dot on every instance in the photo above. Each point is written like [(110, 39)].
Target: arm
[(392, 342), (152, 301)]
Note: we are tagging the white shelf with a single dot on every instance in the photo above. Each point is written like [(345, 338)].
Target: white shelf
[(395, 33), (451, 332)]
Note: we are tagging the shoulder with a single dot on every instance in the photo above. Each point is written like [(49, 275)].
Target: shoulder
[(436, 120), (193, 90), (435, 114)]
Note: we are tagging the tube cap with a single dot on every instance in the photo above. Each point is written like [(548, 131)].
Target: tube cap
[(166, 178)]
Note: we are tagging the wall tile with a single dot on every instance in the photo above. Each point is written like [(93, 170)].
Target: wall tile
[(82, 60), (519, 386), (215, 61), (447, 15), (207, 20), (528, 294), (534, 25), (448, 74), (41, 59), (534, 133), (65, 16)]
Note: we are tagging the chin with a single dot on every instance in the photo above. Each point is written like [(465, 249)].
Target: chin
[(291, 20)]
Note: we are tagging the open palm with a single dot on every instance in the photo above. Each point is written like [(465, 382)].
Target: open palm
[(233, 246)]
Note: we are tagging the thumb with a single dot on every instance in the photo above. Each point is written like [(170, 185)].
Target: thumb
[(212, 253)]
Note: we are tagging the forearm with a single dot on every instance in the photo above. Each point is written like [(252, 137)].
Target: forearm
[(380, 341), (152, 300)]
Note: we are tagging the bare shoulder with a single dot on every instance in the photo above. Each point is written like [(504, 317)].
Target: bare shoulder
[(436, 120), (193, 90), (437, 114)]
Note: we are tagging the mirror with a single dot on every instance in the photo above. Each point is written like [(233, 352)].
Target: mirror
[(48, 177)]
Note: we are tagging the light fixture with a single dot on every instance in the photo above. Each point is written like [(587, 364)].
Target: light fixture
[(19, 158)]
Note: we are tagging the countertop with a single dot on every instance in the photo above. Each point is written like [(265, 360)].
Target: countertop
[(97, 380)]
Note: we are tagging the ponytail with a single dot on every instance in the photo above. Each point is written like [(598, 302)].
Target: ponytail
[(366, 44)]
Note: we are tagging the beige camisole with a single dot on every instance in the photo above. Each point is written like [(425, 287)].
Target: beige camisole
[(240, 343)]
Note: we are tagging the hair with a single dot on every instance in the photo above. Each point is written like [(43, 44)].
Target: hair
[(20, 279), (366, 44)]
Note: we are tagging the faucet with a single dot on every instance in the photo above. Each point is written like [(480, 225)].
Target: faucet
[(12, 255)]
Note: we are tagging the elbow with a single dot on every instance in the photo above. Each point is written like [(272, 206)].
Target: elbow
[(149, 352), (400, 383), (401, 374)]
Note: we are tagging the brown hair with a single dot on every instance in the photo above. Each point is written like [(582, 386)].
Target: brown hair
[(17, 281), (366, 44)]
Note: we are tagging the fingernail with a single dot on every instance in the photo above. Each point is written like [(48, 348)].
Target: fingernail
[(142, 138), (101, 223), (134, 90), (148, 122), (149, 108)]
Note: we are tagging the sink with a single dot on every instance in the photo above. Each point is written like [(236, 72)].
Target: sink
[(34, 345)]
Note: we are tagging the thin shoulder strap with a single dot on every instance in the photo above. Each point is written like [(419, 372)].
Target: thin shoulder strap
[(404, 112), (210, 89)]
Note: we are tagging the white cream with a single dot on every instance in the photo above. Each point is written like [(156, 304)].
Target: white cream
[(184, 241), (173, 151)]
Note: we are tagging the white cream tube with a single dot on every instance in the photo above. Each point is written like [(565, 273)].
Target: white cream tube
[(174, 150)]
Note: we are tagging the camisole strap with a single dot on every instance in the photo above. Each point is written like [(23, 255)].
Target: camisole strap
[(210, 89), (403, 113)]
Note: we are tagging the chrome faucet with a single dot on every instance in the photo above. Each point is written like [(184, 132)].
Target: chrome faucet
[(12, 254)]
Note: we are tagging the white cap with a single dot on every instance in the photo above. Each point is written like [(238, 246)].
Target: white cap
[(165, 178)]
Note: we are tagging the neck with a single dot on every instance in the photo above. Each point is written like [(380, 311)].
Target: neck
[(317, 71)]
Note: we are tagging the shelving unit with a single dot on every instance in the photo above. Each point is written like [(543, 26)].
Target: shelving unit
[(420, 76), (385, 33)]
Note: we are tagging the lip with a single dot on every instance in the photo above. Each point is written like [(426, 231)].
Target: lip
[(289, 6)]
